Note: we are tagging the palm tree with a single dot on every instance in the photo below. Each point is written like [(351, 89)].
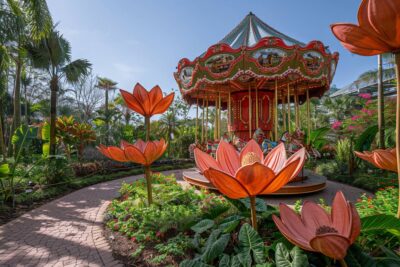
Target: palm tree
[(107, 85), (25, 20), (381, 105), (168, 127), (53, 55), (25, 82)]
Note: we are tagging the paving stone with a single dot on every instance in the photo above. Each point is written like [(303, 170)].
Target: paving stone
[(64, 232)]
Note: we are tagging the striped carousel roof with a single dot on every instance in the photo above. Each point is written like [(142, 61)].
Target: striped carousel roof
[(250, 30)]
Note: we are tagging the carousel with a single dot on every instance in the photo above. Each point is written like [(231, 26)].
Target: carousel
[(259, 77)]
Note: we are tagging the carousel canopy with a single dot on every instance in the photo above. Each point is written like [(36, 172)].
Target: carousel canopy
[(256, 57), (251, 30)]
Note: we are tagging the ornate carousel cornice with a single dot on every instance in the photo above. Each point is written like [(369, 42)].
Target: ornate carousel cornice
[(319, 66)]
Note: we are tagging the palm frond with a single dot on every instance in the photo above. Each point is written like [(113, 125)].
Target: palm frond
[(76, 70), (39, 18)]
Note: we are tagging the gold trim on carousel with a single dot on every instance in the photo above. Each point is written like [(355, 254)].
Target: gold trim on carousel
[(240, 109)]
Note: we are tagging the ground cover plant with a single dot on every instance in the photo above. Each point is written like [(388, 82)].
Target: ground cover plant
[(188, 227)]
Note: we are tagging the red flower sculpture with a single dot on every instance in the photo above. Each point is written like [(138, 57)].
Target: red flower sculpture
[(315, 230), (144, 153), (378, 31), (147, 103), (229, 160), (248, 173), (381, 158)]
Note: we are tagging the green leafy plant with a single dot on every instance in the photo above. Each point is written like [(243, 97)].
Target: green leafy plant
[(317, 138), (293, 258)]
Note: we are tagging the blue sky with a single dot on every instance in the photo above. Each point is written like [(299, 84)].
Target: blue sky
[(133, 41)]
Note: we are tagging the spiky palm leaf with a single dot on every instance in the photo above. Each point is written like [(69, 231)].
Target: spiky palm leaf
[(76, 69), (106, 84)]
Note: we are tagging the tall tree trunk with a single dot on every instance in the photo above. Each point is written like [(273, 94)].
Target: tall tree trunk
[(26, 107), (381, 105), (53, 113), (397, 68), (2, 142), (17, 96), (107, 118)]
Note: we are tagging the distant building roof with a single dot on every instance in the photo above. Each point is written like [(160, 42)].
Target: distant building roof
[(369, 86), (250, 30)]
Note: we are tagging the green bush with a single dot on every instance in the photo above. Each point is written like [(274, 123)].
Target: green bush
[(343, 154), (384, 202), (174, 209), (327, 168)]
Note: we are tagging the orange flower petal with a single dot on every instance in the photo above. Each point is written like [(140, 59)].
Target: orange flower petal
[(226, 184), (125, 144), (364, 156), (163, 104), (251, 146), (358, 40), (282, 178), (161, 147), (301, 155), (293, 237), (204, 161), (117, 154), (385, 160), (355, 224), (255, 177), (133, 154), (142, 97), (314, 216), (155, 95), (140, 144), (332, 245), (151, 152), (383, 17), (341, 215), (276, 158), (228, 158), (103, 150), (295, 225), (132, 103)]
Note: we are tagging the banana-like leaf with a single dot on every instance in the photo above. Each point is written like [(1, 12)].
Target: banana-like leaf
[(380, 223), (23, 135), (4, 170), (46, 132), (365, 140)]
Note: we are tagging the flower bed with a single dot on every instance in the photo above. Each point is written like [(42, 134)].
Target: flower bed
[(184, 227)]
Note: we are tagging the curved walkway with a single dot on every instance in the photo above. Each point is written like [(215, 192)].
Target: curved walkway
[(68, 231)]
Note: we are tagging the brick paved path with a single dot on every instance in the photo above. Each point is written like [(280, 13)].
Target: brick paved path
[(68, 231), (64, 232)]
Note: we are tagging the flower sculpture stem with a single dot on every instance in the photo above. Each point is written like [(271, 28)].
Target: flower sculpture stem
[(253, 212), (147, 125), (147, 173), (397, 68), (343, 263)]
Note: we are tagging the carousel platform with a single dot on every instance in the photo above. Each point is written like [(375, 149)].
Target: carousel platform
[(309, 183)]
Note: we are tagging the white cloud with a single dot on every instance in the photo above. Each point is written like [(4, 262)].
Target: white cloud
[(128, 69)]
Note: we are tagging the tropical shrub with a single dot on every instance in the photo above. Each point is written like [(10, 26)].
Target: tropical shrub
[(173, 209), (343, 154)]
